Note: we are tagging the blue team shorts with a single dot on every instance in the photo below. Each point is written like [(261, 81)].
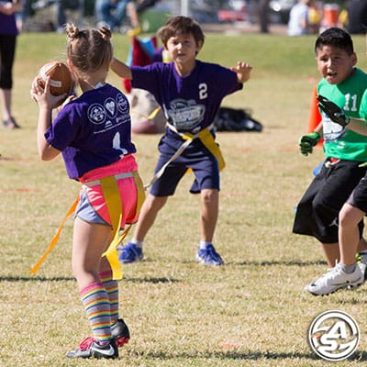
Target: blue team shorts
[(203, 164), (86, 212)]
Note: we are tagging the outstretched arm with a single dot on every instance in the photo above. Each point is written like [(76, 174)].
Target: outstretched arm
[(121, 69), (243, 71)]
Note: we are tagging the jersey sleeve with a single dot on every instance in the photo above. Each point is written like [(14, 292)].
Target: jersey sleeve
[(63, 129), (228, 81), (146, 77), (363, 106)]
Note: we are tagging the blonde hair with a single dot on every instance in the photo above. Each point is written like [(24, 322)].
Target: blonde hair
[(88, 49)]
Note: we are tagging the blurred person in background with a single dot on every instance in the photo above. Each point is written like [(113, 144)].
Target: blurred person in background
[(112, 13), (299, 21), (8, 39), (357, 16)]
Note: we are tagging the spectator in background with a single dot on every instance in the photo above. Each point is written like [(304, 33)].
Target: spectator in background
[(298, 24), (8, 39), (60, 12), (357, 16), (114, 12)]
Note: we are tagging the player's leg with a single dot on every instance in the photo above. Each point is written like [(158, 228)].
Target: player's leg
[(207, 182), (331, 252), (160, 191), (350, 231), (119, 330), (347, 273), (341, 178), (349, 234), (209, 200), (7, 55), (133, 251), (90, 240), (207, 254), (148, 214)]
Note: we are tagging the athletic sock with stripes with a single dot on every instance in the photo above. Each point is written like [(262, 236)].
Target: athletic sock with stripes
[(97, 307), (112, 289)]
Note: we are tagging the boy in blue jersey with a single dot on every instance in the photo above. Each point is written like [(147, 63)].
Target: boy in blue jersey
[(189, 92)]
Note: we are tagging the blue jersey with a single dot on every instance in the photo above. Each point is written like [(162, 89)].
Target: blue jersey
[(8, 24), (189, 103), (92, 131)]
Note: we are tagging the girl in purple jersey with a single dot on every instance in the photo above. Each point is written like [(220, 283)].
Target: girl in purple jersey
[(92, 132), (189, 92), (8, 40)]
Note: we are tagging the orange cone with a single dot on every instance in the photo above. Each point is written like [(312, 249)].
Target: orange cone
[(315, 116)]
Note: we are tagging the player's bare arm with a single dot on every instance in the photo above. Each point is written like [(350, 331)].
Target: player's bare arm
[(46, 102), (121, 69)]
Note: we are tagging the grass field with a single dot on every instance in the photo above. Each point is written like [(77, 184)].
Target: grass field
[(251, 312)]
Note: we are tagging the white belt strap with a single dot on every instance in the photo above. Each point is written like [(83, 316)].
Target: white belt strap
[(120, 176), (175, 156)]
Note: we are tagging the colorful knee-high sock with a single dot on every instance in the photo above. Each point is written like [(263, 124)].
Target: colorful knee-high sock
[(112, 290), (97, 307)]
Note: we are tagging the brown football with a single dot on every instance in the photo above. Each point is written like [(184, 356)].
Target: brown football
[(61, 81)]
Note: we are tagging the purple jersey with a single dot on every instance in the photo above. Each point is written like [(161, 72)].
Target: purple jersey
[(92, 131), (8, 24), (190, 103)]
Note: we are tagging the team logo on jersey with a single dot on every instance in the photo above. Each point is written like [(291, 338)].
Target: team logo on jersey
[(331, 130), (96, 113), (111, 113), (110, 106), (122, 104), (186, 115)]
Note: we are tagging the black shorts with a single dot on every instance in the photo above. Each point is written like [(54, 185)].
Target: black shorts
[(358, 198), (203, 164), (317, 212)]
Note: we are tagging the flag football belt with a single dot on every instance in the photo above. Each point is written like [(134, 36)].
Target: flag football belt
[(331, 161), (207, 140), (112, 197)]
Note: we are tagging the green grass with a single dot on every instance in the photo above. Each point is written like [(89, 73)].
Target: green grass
[(252, 311)]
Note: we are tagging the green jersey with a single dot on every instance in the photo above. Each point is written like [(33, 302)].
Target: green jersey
[(339, 142)]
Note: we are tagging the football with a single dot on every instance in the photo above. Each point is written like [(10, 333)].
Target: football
[(61, 80)]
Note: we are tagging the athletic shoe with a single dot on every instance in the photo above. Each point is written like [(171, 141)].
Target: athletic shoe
[(11, 124), (335, 279), (130, 253), (90, 348), (362, 263), (120, 333), (208, 256)]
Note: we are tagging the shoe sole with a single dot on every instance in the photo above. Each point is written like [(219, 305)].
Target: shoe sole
[(203, 262), (131, 261), (348, 287)]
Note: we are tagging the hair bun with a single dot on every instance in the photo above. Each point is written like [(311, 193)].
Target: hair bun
[(106, 33), (72, 31)]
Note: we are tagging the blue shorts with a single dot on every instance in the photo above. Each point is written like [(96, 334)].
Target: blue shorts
[(86, 212), (203, 164)]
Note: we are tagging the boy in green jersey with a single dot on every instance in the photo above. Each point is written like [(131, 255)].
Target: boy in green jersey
[(345, 150)]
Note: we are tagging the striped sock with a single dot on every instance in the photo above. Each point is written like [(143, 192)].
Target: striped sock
[(112, 289), (97, 307)]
